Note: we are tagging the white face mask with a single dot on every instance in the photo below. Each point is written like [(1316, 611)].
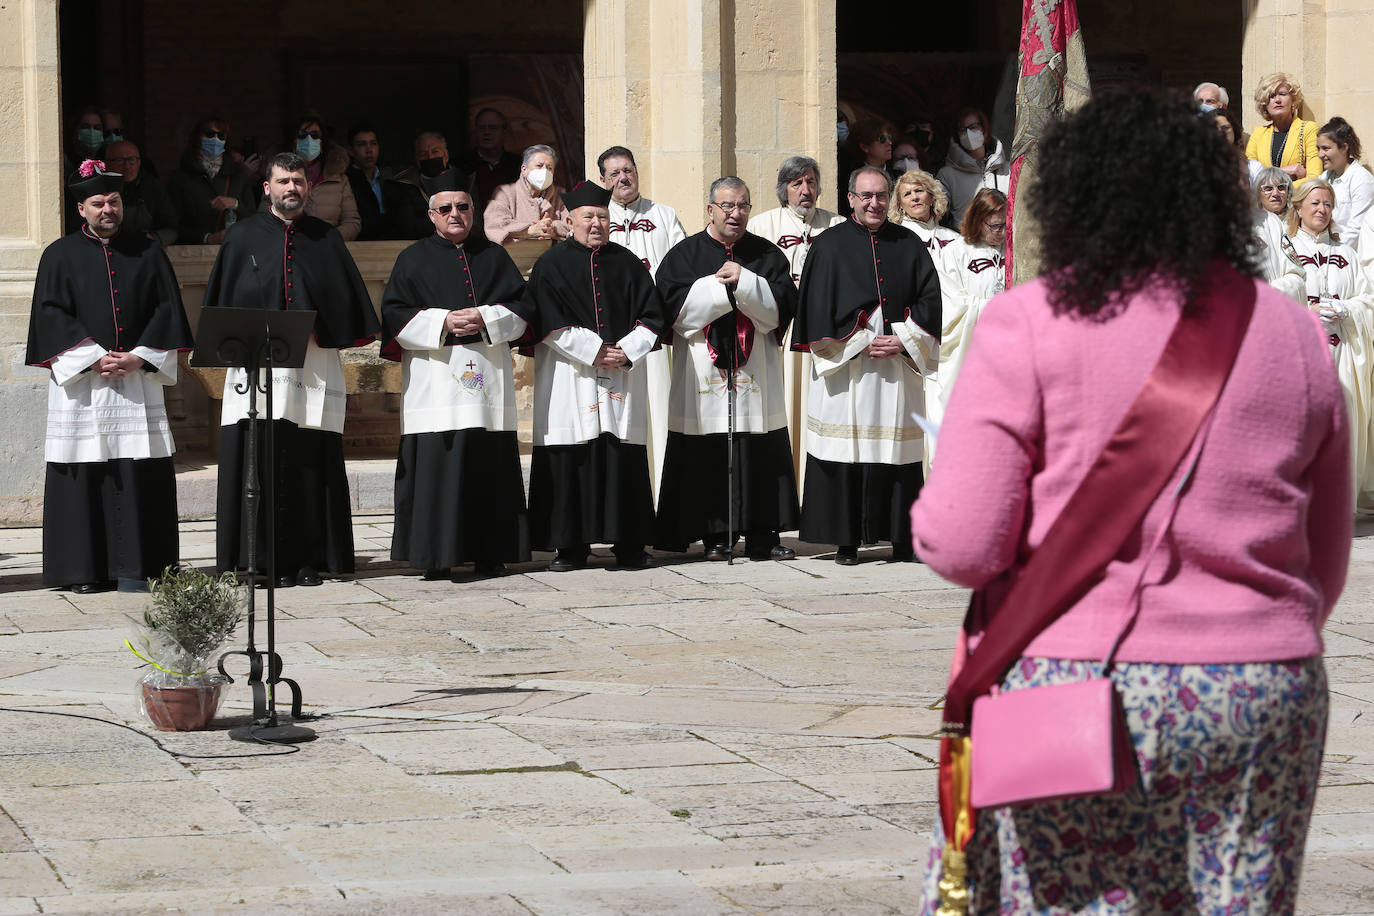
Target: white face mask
[(973, 139), (539, 178), (904, 165)]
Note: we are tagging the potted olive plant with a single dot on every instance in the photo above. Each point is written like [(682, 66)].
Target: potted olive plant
[(190, 617)]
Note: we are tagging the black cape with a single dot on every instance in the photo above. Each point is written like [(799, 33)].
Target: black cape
[(607, 290), (121, 296), (266, 263), (701, 255), (434, 273), (844, 271)]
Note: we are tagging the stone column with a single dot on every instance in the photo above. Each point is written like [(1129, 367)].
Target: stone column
[(704, 88), (31, 187)]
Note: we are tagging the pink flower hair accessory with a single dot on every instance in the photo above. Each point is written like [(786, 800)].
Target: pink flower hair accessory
[(90, 167)]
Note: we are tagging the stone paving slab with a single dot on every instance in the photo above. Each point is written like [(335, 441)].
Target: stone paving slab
[(693, 738)]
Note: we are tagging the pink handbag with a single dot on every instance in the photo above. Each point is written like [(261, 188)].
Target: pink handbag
[(1046, 743)]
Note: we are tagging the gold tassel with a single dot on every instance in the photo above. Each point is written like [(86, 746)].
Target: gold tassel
[(953, 887)]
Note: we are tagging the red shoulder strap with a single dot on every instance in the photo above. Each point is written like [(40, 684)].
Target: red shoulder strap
[(1122, 484)]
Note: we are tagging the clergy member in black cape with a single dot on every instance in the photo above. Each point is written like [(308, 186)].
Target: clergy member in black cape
[(730, 298), (107, 323), (597, 315), (284, 259), (869, 314), (451, 313)]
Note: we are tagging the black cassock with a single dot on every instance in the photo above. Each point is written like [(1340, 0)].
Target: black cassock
[(850, 272), (267, 263), (692, 497), (598, 491), (460, 493), (112, 519)]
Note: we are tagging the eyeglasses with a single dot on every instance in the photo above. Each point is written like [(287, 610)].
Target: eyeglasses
[(1273, 189), (443, 209), (211, 132), (115, 132), (884, 138), (312, 134), (870, 196), (997, 227), (731, 207), (127, 160)]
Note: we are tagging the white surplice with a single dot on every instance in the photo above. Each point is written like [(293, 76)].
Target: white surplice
[(859, 408), (792, 234), (314, 396), (701, 404), (1278, 260), (92, 418), (970, 275), (936, 238), (650, 229), (464, 386), (1336, 280), (575, 401)]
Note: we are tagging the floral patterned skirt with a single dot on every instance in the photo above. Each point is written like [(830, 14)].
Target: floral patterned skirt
[(1228, 757)]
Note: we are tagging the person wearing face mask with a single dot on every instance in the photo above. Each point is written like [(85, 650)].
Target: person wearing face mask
[(209, 186), (869, 314), (331, 193), (921, 131), (796, 222), (1210, 97), (976, 160), (86, 142), (530, 207), (452, 310), (905, 157), (1273, 250), (409, 215), (1339, 150), (1339, 291)]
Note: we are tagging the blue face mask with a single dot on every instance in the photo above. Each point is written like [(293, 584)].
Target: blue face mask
[(842, 131), (1204, 108), (90, 137), (308, 149), (212, 147)]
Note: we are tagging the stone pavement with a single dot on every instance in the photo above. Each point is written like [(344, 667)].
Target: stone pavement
[(695, 738)]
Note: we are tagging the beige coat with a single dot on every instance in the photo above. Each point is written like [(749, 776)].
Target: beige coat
[(512, 210)]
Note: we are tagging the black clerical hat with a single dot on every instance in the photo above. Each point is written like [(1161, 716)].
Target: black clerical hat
[(587, 194), (450, 179), (92, 179)]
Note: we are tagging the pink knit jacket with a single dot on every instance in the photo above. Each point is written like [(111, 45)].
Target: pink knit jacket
[(1258, 552)]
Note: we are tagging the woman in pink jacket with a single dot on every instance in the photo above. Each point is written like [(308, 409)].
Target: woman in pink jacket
[(1221, 674)]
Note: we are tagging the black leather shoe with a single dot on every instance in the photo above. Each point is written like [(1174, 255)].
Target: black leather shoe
[(308, 577), (639, 560), (847, 556), (87, 588), (776, 552), (432, 575), (716, 552), (567, 562), (490, 570), (286, 581), (903, 555)]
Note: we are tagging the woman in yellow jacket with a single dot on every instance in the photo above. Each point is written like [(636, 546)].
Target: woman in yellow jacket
[(1285, 141)]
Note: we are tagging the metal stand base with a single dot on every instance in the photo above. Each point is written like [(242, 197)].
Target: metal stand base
[(277, 734)]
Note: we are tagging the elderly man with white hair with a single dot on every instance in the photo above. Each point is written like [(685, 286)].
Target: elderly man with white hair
[(531, 207), (1210, 97)]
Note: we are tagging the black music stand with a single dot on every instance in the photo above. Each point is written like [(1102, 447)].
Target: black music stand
[(256, 340)]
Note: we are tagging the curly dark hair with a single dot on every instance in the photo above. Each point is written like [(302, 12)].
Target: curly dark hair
[(1116, 179)]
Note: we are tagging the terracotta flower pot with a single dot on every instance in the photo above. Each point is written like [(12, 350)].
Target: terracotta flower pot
[(181, 709)]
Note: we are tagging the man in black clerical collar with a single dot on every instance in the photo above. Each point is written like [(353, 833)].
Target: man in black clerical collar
[(730, 297), (596, 314), (869, 315), (286, 259), (451, 312), (106, 323)]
